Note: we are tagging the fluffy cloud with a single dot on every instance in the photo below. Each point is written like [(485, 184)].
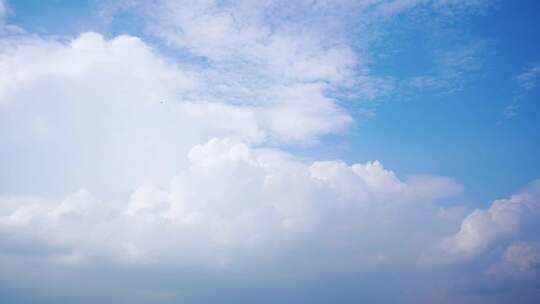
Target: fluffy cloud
[(27, 61), (118, 104), (258, 198), (235, 209), (94, 107), (506, 219), (519, 258), (114, 117)]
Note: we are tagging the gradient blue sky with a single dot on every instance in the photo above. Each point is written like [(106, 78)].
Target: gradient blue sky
[(380, 151)]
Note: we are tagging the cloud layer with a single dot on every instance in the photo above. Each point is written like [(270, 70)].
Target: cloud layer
[(259, 212)]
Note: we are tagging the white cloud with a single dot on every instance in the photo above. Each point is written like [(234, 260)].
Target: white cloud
[(29, 61), (505, 219), (511, 110), (114, 113), (453, 69), (528, 79), (302, 111), (95, 109), (262, 33), (250, 49), (519, 258), (236, 208), (228, 205)]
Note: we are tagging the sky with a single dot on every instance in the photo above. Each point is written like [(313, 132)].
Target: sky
[(219, 151)]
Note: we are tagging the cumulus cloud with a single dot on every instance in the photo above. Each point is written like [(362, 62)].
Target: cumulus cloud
[(120, 104), (115, 119), (506, 219), (519, 258), (28, 60), (257, 197), (95, 107), (236, 208)]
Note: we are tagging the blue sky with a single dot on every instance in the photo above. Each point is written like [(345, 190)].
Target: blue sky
[(380, 150)]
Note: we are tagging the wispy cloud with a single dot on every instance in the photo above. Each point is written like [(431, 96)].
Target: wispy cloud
[(529, 78), (526, 82), (453, 69), (512, 109)]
